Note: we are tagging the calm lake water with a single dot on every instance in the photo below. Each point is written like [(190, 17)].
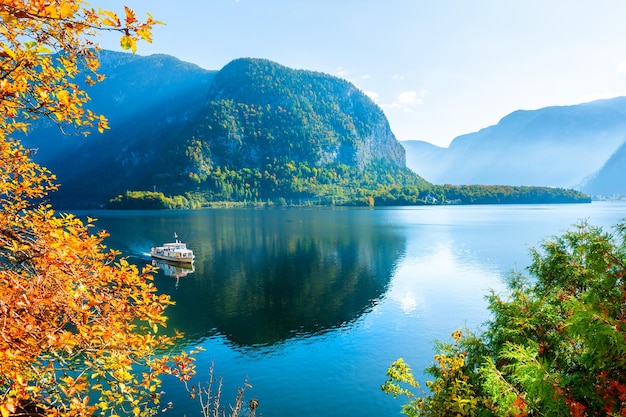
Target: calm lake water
[(312, 305)]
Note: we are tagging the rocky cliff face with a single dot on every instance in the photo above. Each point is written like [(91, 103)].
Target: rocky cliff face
[(380, 143)]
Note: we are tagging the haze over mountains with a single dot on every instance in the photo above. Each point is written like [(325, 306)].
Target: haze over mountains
[(257, 130), (579, 146), (147, 101)]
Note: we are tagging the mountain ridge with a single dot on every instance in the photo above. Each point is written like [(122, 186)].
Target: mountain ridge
[(555, 146), (608, 181), (176, 128)]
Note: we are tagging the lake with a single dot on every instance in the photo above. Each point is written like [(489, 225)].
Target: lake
[(312, 305)]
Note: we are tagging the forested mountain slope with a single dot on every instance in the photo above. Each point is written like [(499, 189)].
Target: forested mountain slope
[(268, 132), (255, 130), (147, 101), (260, 111)]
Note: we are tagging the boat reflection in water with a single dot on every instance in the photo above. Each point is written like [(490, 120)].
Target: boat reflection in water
[(174, 269)]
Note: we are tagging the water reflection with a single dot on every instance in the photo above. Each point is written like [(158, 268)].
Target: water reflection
[(264, 276), (175, 270)]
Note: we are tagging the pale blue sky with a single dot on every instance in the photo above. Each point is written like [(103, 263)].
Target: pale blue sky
[(438, 68)]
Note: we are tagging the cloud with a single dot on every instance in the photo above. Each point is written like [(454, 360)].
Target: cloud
[(397, 77), (371, 94), (407, 100), (621, 68), (341, 72)]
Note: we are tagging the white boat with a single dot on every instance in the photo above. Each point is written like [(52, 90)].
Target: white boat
[(173, 252)]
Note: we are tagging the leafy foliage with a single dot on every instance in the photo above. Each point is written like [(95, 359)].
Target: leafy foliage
[(148, 200), (36, 82), (556, 344), (454, 391), (79, 331), (507, 194)]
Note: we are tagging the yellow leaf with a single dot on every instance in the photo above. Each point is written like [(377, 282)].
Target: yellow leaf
[(127, 42), (111, 17), (63, 97), (9, 52), (109, 22), (67, 10), (51, 11), (145, 34)]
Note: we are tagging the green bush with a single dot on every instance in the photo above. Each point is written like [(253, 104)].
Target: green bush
[(147, 200), (555, 346)]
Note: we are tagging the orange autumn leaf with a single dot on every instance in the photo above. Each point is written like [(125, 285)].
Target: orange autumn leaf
[(130, 16)]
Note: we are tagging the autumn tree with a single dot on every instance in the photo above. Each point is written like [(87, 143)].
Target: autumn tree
[(555, 346), (78, 323)]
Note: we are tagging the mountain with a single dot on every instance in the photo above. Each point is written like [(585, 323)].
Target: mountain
[(422, 157), (260, 112), (147, 101), (609, 180), (254, 130), (269, 132), (554, 146)]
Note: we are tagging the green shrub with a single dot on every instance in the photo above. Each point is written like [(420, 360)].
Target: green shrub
[(555, 346)]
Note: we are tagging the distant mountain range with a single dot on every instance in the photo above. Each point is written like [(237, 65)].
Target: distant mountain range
[(581, 146)]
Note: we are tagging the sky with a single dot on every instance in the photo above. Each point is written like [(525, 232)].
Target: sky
[(438, 69)]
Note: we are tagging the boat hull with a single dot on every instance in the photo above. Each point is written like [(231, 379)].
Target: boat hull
[(173, 259)]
